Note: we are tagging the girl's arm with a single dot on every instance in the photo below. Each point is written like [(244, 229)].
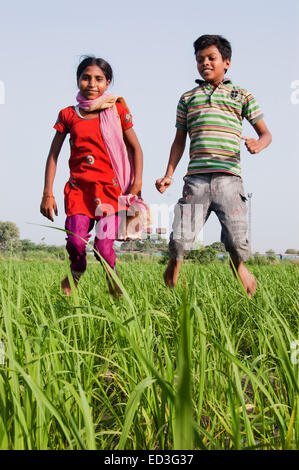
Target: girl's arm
[(131, 139), (48, 203), (265, 138), (176, 152)]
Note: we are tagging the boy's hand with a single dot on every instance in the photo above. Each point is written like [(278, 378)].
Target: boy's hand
[(253, 145), (163, 183), (48, 205)]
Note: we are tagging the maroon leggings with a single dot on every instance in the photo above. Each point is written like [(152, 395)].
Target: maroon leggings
[(80, 226)]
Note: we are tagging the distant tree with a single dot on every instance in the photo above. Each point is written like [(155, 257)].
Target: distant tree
[(258, 259), (203, 256), (291, 251), (271, 256), (161, 244), (132, 245), (26, 245), (9, 235), (146, 246), (218, 246), (164, 258)]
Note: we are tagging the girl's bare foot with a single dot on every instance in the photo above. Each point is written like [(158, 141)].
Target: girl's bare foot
[(66, 286), (171, 273), (114, 289), (248, 280)]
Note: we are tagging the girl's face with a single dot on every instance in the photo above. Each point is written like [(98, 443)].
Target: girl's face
[(92, 82)]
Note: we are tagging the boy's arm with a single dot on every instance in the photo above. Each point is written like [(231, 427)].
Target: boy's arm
[(176, 152), (265, 138)]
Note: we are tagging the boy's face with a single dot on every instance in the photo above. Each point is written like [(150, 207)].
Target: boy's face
[(211, 65)]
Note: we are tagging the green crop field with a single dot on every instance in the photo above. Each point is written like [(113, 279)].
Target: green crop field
[(199, 367)]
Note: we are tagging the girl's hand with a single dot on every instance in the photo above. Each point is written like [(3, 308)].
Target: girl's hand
[(163, 183), (135, 189), (48, 204)]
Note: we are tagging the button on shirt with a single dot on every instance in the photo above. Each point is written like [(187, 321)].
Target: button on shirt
[(213, 118)]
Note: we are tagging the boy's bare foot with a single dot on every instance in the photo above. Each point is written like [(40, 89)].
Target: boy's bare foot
[(171, 273), (66, 286), (248, 280)]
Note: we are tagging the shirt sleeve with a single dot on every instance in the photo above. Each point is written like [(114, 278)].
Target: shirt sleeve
[(251, 110), (61, 124), (181, 115), (125, 116)]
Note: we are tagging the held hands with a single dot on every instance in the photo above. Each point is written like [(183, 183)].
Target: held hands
[(163, 183), (253, 145), (48, 205)]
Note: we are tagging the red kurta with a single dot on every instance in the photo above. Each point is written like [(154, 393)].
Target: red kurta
[(92, 180)]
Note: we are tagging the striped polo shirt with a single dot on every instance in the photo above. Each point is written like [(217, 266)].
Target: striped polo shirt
[(213, 119)]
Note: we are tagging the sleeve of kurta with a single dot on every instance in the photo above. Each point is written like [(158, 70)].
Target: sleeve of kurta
[(125, 116), (61, 124)]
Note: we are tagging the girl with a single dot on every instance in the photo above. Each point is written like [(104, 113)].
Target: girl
[(100, 129)]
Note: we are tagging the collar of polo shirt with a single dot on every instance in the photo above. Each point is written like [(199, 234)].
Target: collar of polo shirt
[(203, 82), (208, 87)]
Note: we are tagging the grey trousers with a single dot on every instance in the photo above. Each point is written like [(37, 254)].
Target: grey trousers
[(203, 193)]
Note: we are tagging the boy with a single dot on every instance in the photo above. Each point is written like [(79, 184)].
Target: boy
[(212, 115)]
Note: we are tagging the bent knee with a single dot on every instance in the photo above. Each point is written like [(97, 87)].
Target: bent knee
[(76, 244)]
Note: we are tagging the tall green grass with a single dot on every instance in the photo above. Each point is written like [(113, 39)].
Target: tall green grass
[(199, 367)]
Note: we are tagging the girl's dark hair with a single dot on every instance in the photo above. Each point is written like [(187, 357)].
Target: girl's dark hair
[(101, 63), (220, 42)]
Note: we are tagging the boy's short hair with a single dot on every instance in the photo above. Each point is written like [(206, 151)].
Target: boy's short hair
[(220, 42)]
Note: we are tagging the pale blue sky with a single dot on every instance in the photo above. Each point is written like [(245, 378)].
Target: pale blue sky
[(149, 45)]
